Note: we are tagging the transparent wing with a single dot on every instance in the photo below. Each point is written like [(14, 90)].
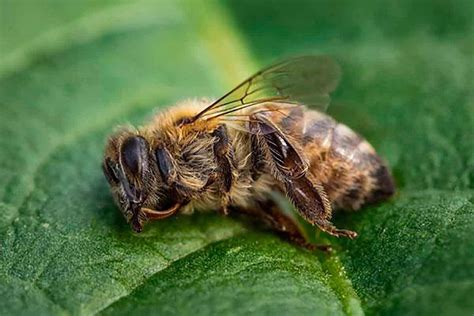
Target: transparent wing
[(304, 80)]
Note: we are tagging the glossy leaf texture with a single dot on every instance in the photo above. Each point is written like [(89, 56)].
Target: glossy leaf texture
[(70, 72)]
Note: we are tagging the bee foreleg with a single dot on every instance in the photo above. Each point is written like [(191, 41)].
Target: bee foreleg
[(224, 156)]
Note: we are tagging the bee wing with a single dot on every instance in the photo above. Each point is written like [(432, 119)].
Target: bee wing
[(304, 80)]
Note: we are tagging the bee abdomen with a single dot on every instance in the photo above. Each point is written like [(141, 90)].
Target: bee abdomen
[(345, 163), (384, 186)]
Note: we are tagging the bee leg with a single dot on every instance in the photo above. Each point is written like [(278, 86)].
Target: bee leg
[(312, 203), (225, 199), (290, 230), (225, 202), (269, 214), (224, 156), (290, 169)]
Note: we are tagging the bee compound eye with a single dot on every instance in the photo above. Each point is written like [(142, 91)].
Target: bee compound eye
[(134, 153), (165, 164)]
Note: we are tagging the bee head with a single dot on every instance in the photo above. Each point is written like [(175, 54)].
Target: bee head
[(133, 174)]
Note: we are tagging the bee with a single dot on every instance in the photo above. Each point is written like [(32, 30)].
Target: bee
[(268, 134)]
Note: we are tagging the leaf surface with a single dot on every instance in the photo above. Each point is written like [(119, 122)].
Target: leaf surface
[(66, 79)]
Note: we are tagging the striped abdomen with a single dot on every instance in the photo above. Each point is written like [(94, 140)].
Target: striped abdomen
[(346, 164)]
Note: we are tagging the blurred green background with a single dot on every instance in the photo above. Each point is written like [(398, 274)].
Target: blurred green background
[(72, 70)]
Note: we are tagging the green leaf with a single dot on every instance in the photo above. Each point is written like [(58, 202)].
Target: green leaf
[(71, 72)]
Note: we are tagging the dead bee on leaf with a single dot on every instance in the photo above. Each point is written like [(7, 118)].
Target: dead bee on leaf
[(230, 154)]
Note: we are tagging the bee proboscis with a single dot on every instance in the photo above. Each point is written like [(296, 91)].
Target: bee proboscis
[(269, 134)]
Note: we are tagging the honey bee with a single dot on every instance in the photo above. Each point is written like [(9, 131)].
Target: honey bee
[(268, 134)]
